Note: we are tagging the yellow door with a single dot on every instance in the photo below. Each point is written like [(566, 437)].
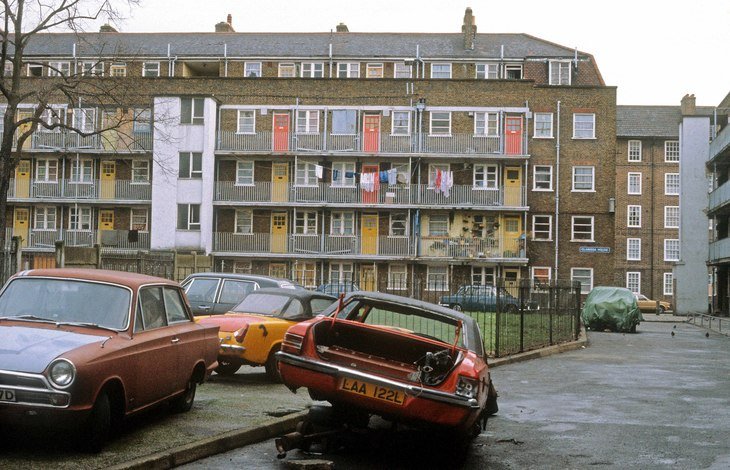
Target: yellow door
[(279, 182), (278, 232), (511, 280), (511, 236), (110, 137), (513, 186), (369, 234), (367, 277), (22, 179), (20, 225), (108, 179), (25, 127), (106, 219)]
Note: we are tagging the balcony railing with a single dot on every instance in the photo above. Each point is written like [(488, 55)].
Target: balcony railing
[(719, 197), (266, 141), (721, 143), (470, 247), (113, 239), (719, 250), (415, 194), (120, 190), (112, 141)]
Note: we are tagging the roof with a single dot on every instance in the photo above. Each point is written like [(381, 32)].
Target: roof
[(652, 121), (302, 294), (295, 45), (243, 277), (132, 280)]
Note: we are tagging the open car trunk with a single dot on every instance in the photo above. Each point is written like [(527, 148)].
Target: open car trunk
[(385, 351)]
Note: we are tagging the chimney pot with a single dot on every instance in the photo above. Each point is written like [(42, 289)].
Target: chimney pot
[(107, 28), (229, 19), (688, 106)]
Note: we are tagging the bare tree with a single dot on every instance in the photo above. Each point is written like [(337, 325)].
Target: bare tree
[(33, 104)]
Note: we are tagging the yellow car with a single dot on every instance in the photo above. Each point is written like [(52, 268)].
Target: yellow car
[(647, 305), (253, 331)]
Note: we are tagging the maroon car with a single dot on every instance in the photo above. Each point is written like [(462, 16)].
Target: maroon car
[(88, 347)]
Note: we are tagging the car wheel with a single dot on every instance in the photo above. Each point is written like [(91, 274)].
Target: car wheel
[(184, 402), (660, 310), (98, 425), (457, 307), (227, 368), (271, 370)]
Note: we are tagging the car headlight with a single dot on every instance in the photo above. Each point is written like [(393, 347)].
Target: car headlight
[(62, 373), (467, 387)]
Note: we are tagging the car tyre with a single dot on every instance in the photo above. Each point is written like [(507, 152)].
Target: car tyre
[(660, 310), (98, 425), (456, 307), (184, 402), (272, 371), (227, 368)]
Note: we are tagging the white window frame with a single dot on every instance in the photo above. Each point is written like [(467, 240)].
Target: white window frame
[(287, 70), (634, 150), (513, 69), (633, 249), (671, 184), (197, 111), (441, 70), (435, 224), (671, 216), (343, 181), (374, 70), (59, 69), (34, 70), (671, 246), (44, 218), (584, 125), (541, 278), (140, 171), (242, 267), (195, 165), (668, 283), (633, 216), (489, 179), (49, 168), (305, 273), (244, 173), (79, 218), (150, 69), (243, 222), (399, 125), (82, 171), (542, 184), (402, 70), (437, 278), (341, 273), (142, 120), (89, 69), (486, 71), (139, 217), (397, 277), (118, 70), (540, 221), (486, 124), (305, 174), (250, 68), (348, 70), (577, 221), (305, 223), (633, 183), (312, 70), (246, 121), (84, 119), (342, 223), (671, 151), (307, 121), (560, 72), (191, 222), (584, 276), (397, 218), (633, 281), (577, 183), (441, 130), (543, 127), (482, 275)]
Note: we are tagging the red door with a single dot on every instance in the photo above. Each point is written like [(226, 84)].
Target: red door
[(281, 132), (370, 197), (513, 132), (371, 133)]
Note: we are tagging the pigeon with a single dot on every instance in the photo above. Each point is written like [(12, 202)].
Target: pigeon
[(672, 333), (707, 335)]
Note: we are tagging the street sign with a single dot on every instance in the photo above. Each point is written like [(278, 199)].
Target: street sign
[(595, 249)]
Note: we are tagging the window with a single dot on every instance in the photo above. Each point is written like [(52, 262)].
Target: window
[(278, 270), (634, 183), (402, 70), (398, 224), (305, 274), (8, 69), (191, 165), (513, 71), (542, 178), (46, 170), (142, 120), (397, 277), (440, 70), (559, 72), (84, 119), (343, 223), (35, 70), (433, 170), (140, 171), (671, 151), (252, 69), (584, 276), (374, 70), (242, 267), (543, 125), (668, 284), (633, 249), (583, 178), (671, 184), (341, 273), (582, 228), (485, 176), (438, 225), (246, 122), (633, 282), (344, 122), (81, 171), (348, 70), (486, 124), (188, 217), (401, 123), (306, 174), (305, 223), (45, 218), (192, 111), (671, 250), (244, 173), (487, 71), (79, 218), (312, 70), (482, 275), (92, 68), (244, 221), (138, 220), (340, 171), (56, 69), (437, 278), (307, 121), (287, 70), (633, 216), (542, 227), (440, 123), (634, 150), (584, 126), (403, 172), (671, 216), (541, 274), (118, 70), (151, 69)]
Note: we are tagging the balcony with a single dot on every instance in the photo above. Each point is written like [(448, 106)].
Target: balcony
[(470, 247), (265, 141), (720, 145), (45, 240), (719, 251), (401, 195), (318, 245), (107, 141), (117, 190), (719, 198)]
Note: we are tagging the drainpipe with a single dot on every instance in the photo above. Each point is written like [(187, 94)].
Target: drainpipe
[(225, 59), (330, 60), (557, 190)]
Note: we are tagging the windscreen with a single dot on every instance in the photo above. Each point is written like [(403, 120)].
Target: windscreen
[(263, 304)]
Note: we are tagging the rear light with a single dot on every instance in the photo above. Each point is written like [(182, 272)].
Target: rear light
[(240, 334), (292, 343), (467, 387)]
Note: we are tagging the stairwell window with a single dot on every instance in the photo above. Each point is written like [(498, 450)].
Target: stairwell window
[(191, 165), (560, 72), (192, 111), (188, 217), (584, 126)]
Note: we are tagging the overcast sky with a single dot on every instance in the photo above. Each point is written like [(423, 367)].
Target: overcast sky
[(654, 51)]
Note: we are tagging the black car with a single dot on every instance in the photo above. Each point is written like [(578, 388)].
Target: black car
[(216, 293)]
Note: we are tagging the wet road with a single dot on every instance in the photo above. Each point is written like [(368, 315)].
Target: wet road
[(648, 400)]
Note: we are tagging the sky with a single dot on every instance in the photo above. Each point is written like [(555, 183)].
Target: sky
[(654, 51)]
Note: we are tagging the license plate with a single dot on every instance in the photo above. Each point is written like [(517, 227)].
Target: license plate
[(7, 395), (373, 391)]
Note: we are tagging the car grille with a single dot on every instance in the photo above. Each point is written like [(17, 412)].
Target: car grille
[(21, 381), (33, 390)]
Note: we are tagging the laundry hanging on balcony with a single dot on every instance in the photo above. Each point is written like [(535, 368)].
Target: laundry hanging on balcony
[(319, 171), (443, 182), (368, 182)]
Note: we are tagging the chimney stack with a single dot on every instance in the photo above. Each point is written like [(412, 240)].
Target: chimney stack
[(342, 28), (688, 106), (469, 29), (107, 28), (225, 26)]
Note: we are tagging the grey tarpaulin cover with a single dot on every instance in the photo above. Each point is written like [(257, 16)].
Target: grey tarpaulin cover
[(614, 308)]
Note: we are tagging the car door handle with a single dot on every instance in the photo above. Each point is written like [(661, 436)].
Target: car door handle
[(175, 340), (204, 307)]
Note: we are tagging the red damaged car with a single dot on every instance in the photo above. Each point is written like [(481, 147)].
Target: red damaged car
[(402, 359)]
